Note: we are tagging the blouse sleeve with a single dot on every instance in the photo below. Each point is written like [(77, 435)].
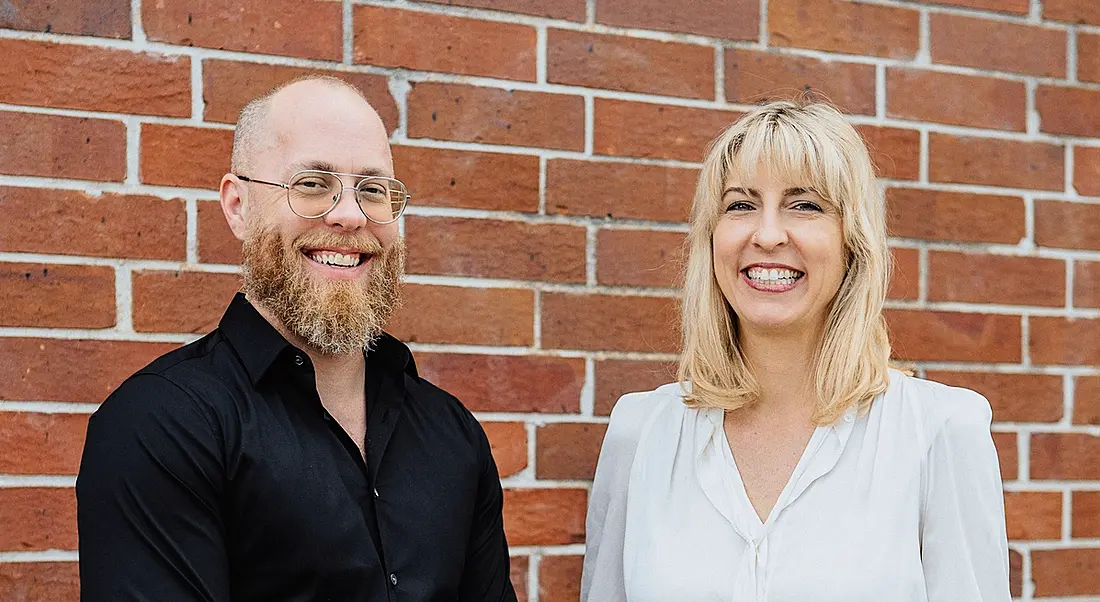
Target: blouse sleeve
[(964, 547)]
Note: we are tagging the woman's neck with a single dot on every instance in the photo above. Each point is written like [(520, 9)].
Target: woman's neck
[(783, 365)]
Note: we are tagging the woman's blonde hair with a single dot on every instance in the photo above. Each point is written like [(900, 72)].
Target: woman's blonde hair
[(808, 144)]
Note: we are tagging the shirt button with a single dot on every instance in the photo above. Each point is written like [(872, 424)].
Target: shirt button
[(393, 578), (376, 492), (328, 417), (849, 418), (298, 361)]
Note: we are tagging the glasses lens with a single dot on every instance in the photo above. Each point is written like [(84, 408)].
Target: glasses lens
[(382, 199), (313, 192)]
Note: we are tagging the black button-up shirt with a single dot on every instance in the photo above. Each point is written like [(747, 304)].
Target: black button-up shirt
[(216, 474)]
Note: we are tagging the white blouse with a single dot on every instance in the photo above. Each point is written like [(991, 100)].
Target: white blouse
[(903, 504)]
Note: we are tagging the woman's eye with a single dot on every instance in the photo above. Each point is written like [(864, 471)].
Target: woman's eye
[(739, 206), (807, 206)]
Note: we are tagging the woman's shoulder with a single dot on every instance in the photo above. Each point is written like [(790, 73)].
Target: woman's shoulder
[(633, 411), (938, 408)]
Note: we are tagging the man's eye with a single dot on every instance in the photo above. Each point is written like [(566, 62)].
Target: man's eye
[(739, 206)]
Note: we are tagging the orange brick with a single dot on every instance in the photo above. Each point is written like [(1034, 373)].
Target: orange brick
[(571, 10), (1086, 170), (1015, 573), (227, 86), (507, 383), (1014, 397), (41, 443), (998, 45), (37, 519), (1088, 57), (267, 27), (1073, 11), (845, 27), (83, 371), (1086, 400), (905, 279), (44, 74), (560, 578), (534, 517), (104, 18), (1064, 456), (982, 102), (753, 76), (508, 441), (184, 156), (69, 222), (1018, 7), (520, 569), (1085, 518), (630, 64), (1008, 454), (980, 278), (495, 249), (730, 19), (894, 151), (996, 162), (491, 316), (57, 296), (55, 146), (954, 216), (216, 243), (1069, 572), (619, 190), (567, 450), (190, 302), (471, 114), (615, 378), (639, 257), (432, 42), (1067, 225), (1065, 341), (641, 129), (609, 322), (39, 581), (919, 335), (1086, 284), (1065, 110), (439, 177), (1033, 514)]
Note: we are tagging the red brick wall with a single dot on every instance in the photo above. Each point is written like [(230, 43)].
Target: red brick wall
[(551, 147)]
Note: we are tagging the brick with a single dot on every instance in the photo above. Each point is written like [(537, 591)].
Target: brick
[(1014, 397), (80, 371), (184, 156), (508, 440), (1073, 11), (534, 517), (1008, 454), (70, 222), (1086, 400), (894, 151), (919, 335), (570, 10), (1064, 456), (491, 316), (753, 76), (178, 301), (845, 27), (982, 102), (39, 581), (393, 37), (642, 129), (36, 443), (57, 296), (507, 383), (1067, 225), (615, 378), (37, 519), (560, 578), (492, 116), (905, 278), (1065, 341), (1086, 284), (1017, 7), (639, 257), (568, 450), (1003, 279), (1033, 514), (520, 568), (495, 249), (610, 323), (1066, 572), (438, 177), (1065, 110), (955, 216), (104, 19), (68, 76), (1086, 170), (227, 86), (729, 19), (998, 45), (1085, 517), (1088, 57), (216, 243), (995, 162), (55, 146), (268, 27), (614, 62), (1015, 573), (619, 190)]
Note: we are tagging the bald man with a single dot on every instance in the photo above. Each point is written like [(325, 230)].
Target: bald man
[(294, 453)]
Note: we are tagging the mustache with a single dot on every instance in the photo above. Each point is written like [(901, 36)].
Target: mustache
[(361, 242)]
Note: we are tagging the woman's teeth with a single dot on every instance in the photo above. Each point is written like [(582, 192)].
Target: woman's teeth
[(336, 259), (773, 275)]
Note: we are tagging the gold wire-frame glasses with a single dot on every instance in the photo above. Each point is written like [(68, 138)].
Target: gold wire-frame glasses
[(313, 193)]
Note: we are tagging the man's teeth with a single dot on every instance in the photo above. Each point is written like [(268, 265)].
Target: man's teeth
[(337, 259), (776, 276)]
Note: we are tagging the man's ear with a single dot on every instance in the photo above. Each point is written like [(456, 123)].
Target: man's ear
[(233, 193)]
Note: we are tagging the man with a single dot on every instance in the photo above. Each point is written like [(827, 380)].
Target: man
[(294, 453)]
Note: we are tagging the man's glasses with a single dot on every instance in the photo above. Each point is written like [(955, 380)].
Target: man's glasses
[(313, 193)]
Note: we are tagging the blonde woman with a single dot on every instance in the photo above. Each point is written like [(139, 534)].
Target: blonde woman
[(791, 463)]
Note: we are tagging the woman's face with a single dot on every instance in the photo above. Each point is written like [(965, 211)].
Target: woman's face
[(779, 254)]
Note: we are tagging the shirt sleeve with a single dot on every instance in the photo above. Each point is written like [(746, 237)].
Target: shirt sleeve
[(487, 576), (964, 546), (148, 499)]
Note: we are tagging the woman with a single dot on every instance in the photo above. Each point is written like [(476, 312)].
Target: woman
[(791, 463)]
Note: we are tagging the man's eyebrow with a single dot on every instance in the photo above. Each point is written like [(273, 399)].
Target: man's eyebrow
[(326, 166)]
